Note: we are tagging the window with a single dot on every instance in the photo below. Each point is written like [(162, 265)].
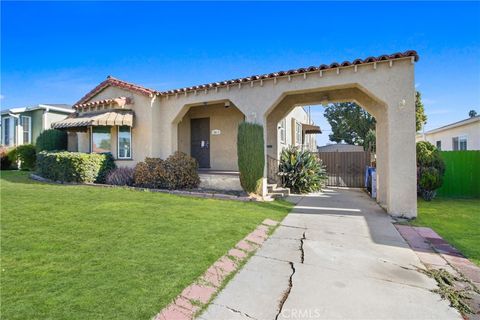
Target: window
[(462, 143), (101, 140), (459, 143), (6, 131), (298, 133), (124, 142), (282, 129), (439, 145), (26, 123)]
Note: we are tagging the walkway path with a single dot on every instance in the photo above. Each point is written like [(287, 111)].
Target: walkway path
[(336, 256)]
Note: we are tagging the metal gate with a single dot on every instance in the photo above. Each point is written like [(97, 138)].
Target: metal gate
[(345, 169)]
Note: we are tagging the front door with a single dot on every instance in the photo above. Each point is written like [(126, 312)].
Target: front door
[(200, 141)]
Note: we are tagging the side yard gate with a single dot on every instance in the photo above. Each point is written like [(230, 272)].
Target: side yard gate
[(346, 169)]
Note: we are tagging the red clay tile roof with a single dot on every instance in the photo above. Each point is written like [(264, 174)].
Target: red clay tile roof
[(111, 81), (149, 92)]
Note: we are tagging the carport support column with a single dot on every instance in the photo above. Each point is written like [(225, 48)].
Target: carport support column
[(401, 182)]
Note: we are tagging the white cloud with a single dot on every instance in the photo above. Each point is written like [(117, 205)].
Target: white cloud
[(2, 97)]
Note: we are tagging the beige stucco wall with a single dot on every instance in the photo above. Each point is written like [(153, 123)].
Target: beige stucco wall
[(223, 147), (385, 89), (470, 130)]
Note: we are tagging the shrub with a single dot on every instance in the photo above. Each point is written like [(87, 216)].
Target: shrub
[(301, 171), (107, 165), (73, 166), (430, 170), (430, 181), (25, 154), (179, 171), (5, 162), (52, 140), (120, 176), (251, 156)]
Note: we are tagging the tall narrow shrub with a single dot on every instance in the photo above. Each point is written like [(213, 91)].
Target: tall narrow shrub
[(52, 140), (251, 156)]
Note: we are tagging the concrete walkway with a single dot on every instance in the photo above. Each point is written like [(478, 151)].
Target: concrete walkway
[(336, 256)]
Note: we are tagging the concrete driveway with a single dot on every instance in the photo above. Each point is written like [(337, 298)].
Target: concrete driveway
[(336, 256)]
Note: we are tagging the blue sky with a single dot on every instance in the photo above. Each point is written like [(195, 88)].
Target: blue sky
[(55, 52)]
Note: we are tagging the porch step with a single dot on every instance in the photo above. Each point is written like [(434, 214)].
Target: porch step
[(277, 192)]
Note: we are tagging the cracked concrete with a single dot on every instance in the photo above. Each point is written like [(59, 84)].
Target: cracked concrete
[(346, 262)]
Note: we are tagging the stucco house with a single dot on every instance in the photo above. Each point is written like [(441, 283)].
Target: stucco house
[(23, 125), (461, 135), (134, 122)]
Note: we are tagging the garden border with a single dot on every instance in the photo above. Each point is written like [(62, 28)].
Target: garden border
[(196, 194)]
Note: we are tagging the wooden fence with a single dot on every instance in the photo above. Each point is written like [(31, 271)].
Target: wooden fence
[(346, 169)]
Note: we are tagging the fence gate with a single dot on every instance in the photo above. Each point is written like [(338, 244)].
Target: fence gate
[(345, 169)]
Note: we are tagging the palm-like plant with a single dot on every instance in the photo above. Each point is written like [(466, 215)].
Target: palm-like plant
[(301, 171)]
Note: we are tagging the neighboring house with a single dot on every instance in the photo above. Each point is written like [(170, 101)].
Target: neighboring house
[(23, 125), (297, 129), (134, 122), (461, 135), (340, 147)]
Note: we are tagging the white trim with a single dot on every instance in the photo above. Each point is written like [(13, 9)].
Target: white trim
[(118, 144), (4, 120), (38, 107), (29, 129)]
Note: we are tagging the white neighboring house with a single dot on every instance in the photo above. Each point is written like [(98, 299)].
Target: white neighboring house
[(23, 125), (340, 147), (461, 135), (297, 129)]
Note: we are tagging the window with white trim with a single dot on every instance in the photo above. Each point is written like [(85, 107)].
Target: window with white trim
[(298, 132), (282, 130), (26, 123), (6, 131), (459, 143), (101, 139), (439, 145), (124, 140)]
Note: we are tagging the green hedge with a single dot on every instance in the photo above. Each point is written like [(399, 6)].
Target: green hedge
[(74, 166), (462, 174), (251, 156), (52, 140), (25, 154)]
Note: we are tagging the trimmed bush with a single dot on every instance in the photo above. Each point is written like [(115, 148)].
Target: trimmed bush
[(251, 156), (5, 162), (430, 170), (301, 171), (25, 154), (179, 171), (52, 140), (74, 166), (122, 176)]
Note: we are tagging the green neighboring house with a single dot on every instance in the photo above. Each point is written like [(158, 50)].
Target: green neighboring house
[(23, 125)]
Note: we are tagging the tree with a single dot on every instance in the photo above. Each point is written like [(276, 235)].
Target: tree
[(353, 125), (420, 116), (472, 113), (349, 122)]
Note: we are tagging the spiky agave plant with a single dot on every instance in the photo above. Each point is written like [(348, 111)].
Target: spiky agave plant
[(301, 170)]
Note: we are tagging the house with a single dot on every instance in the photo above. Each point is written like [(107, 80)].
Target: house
[(461, 135), (24, 125), (340, 147), (134, 122)]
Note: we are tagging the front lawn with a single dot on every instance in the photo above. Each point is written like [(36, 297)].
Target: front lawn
[(456, 220), (78, 252)]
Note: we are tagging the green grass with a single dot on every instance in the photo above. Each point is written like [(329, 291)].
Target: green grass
[(456, 220), (78, 252)]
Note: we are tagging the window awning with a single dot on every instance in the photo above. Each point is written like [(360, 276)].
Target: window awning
[(104, 118), (310, 128)]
